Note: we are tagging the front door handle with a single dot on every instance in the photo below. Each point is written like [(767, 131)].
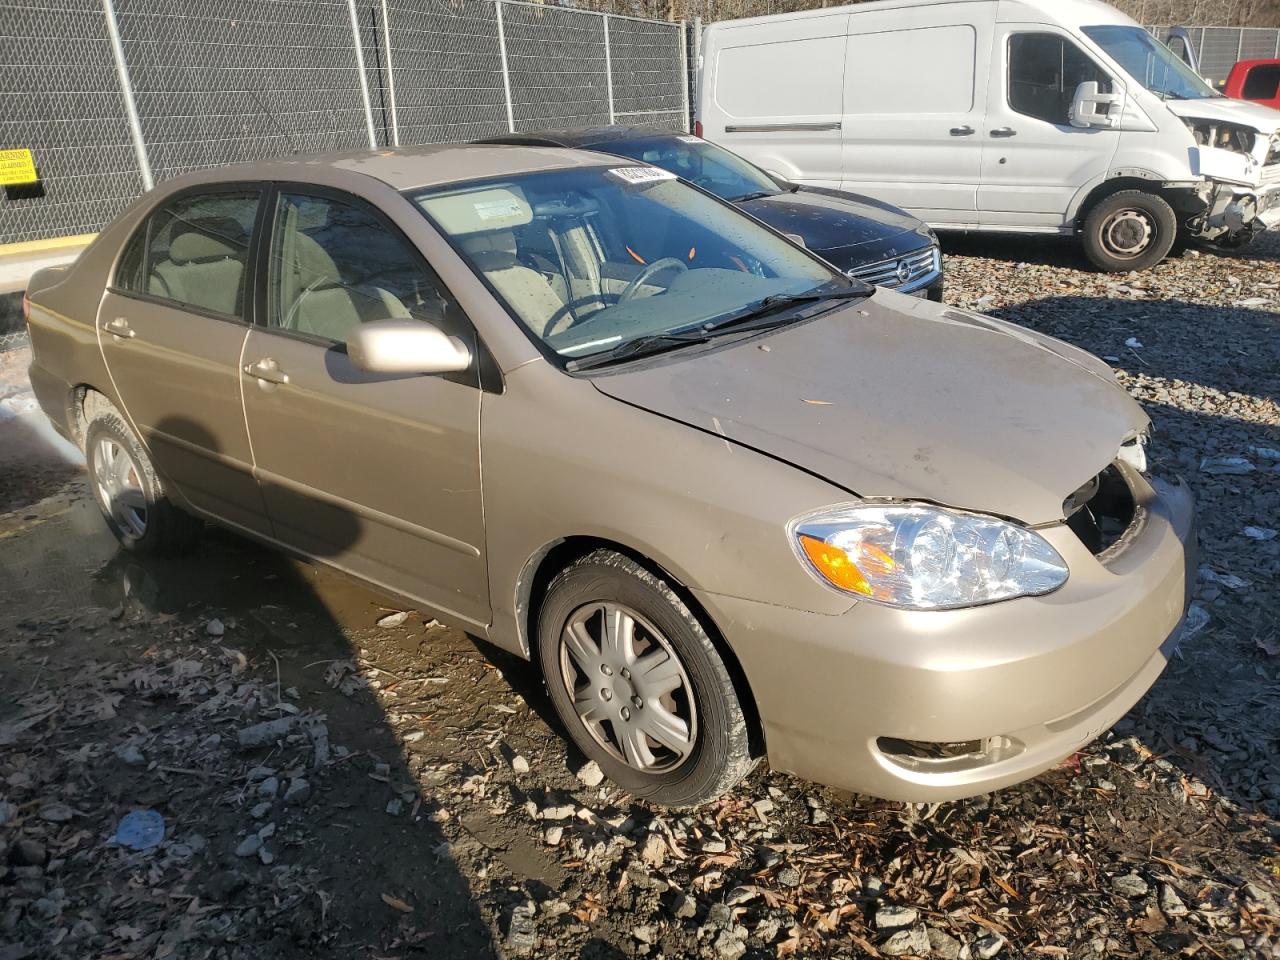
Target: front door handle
[(266, 370), (1004, 132), (119, 327), (965, 131)]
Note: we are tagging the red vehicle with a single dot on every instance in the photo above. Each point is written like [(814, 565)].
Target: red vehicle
[(1256, 80)]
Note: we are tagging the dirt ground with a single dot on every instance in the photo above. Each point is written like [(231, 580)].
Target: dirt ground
[(333, 787)]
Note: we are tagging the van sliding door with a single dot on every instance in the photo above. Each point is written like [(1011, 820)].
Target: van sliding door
[(915, 92)]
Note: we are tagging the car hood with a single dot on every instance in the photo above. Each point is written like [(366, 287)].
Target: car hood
[(829, 220), (1225, 109), (894, 397)]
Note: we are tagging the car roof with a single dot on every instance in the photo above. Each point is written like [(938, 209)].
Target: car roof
[(405, 168), (582, 137), (1056, 11)]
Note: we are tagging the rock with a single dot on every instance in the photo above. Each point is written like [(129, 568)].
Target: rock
[(561, 812), (46, 908), (552, 835), (1230, 466), (249, 846), (943, 944), (393, 619), (269, 787), (522, 930), (298, 792), (914, 941), (890, 917), (643, 933), (719, 916), (28, 852), (7, 812), (260, 810), (590, 774), (1129, 885), (763, 806), (714, 846), (519, 764), (984, 948), (56, 812), (1170, 903), (767, 929), (740, 895), (394, 807), (215, 628), (654, 851), (788, 877), (132, 756), (768, 857), (873, 887), (267, 732), (729, 946), (685, 907), (266, 856)]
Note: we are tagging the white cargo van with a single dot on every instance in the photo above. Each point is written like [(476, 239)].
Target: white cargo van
[(1031, 116)]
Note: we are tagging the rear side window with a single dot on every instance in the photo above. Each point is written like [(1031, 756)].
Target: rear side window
[(1044, 71), (193, 251), (1262, 83), (794, 78), (945, 86)]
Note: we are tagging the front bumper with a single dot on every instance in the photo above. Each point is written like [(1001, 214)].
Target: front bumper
[(1029, 681)]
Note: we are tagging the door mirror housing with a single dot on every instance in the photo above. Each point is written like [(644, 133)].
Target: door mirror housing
[(1089, 108), (406, 346)]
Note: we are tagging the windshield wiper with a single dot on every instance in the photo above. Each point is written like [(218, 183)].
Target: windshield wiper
[(757, 195), (645, 346), (776, 301)]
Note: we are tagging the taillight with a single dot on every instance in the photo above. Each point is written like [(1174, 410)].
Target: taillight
[(697, 128)]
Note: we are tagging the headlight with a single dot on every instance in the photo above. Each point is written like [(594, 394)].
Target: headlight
[(1134, 453), (925, 558)]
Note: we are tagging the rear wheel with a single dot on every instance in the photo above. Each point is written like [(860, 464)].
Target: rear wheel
[(639, 684), (129, 493), (1129, 230)]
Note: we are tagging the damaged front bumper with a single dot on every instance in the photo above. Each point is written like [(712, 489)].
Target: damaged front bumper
[(936, 705), (1222, 212)]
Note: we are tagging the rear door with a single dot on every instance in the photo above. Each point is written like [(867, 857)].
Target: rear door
[(777, 96), (914, 104), (171, 327), (1035, 162), (379, 475)]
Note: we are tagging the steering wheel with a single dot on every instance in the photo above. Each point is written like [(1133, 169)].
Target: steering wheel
[(658, 266)]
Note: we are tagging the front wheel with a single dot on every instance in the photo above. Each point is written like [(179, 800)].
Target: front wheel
[(639, 684), (1129, 230)]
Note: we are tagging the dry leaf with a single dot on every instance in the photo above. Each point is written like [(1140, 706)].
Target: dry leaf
[(395, 903)]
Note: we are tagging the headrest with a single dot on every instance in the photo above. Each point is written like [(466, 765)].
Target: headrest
[(313, 262), (211, 238), (479, 211), (496, 241)]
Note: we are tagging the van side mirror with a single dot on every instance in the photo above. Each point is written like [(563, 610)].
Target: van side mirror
[(1089, 108), (406, 346)]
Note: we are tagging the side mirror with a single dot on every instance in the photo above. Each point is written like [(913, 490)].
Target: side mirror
[(406, 346), (1089, 108)]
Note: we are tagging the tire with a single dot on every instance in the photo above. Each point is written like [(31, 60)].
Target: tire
[(128, 492), (702, 712), (1129, 230)]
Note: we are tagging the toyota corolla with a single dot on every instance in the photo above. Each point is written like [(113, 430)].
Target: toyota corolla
[(733, 503)]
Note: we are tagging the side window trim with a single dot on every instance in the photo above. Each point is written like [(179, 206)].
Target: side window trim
[(145, 228)]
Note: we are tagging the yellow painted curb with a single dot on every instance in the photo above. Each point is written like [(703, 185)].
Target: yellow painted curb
[(49, 245)]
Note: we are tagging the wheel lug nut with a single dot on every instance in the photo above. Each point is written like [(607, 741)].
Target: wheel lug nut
[(626, 714), (606, 693), (606, 670), (626, 674), (637, 702)]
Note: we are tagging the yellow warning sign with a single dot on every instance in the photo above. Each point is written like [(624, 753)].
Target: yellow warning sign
[(17, 167)]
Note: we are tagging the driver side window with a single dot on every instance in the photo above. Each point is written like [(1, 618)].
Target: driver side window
[(1044, 71), (334, 265)]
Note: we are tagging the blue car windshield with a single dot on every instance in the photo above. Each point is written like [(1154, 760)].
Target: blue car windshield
[(589, 258), (703, 164), (1150, 62)]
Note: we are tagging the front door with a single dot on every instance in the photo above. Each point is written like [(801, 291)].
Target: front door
[(172, 326), (1035, 162), (914, 107), (377, 474)]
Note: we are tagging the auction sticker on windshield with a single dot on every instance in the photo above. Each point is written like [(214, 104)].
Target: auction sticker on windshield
[(635, 175)]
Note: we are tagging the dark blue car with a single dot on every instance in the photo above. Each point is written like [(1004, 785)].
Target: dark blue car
[(867, 239)]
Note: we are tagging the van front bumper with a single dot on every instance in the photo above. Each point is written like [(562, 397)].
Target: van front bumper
[(937, 705)]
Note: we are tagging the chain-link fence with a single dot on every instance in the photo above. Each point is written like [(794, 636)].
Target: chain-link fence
[(112, 95), (1220, 48)]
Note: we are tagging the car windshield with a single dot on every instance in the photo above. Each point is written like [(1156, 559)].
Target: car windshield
[(591, 258), (704, 164), (1150, 62)]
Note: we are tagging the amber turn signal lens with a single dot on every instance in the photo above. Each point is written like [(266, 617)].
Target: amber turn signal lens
[(834, 564)]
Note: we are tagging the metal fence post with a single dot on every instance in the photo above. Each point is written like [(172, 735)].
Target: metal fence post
[(608, 68), (506, 74), (126, 92), (391, 77), (364, 79), (684, 75)]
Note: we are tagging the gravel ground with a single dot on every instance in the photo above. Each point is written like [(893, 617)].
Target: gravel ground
[(411, 797)]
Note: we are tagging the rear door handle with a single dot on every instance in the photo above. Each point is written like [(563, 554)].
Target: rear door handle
[(965, 131), (119, 327), (1004, 132), (266, 370)]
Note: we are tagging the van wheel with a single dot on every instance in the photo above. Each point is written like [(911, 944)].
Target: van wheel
[(1129, 230), (639, 684), (129, 493)]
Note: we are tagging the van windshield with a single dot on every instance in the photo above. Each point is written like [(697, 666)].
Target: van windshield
[(1150, 62), (592, 258)]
